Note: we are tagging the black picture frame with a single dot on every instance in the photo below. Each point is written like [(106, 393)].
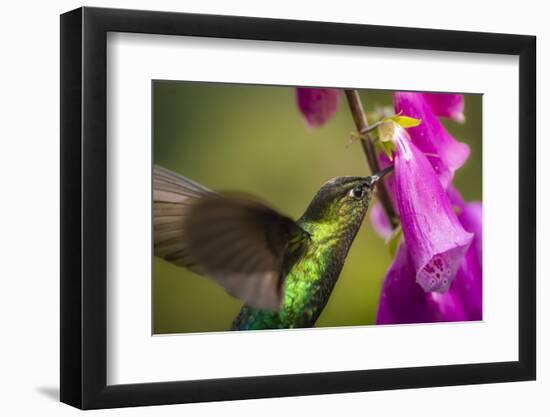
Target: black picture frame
[(84, 207)]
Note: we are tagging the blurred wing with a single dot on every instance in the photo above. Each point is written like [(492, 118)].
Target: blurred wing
[(173, 195), (236, 240)]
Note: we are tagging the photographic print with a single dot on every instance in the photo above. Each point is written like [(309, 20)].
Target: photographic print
[(309, 193), (281, 207)]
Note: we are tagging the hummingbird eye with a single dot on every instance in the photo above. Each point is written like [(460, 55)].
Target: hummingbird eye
[(358, 191)]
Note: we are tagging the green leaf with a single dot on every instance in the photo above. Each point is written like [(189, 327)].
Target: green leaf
[(385, 131), (404, 121), (394, 240), (384, 138), (387, 147)]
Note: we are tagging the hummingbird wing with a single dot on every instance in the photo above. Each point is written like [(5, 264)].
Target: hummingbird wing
[(236, 240)]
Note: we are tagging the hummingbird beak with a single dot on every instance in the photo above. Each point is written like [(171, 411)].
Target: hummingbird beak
[(378, 176)]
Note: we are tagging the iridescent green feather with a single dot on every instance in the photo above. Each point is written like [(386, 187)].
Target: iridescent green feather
[(284, 270), (311, 277)]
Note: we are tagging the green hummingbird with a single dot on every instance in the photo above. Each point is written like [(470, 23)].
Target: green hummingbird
[(284, 270)]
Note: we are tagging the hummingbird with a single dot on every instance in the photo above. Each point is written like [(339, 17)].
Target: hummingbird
[(283, 270)]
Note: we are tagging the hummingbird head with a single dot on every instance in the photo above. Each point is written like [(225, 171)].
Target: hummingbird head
[(343, 201)]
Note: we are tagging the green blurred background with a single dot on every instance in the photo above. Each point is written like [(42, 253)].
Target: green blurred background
[(252, 138)]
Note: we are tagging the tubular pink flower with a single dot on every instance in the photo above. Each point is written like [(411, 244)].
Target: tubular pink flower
[(471, 217), (450, 106), (380, 221), (467, 286), (443, 151), (469, 279), (435, 238), (317, 105), (403, 301)]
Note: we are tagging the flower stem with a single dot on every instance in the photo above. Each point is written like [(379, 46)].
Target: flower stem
[(362, 126)]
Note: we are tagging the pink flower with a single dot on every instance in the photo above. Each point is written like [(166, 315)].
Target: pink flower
[(437, 272), (469, 278), (403, 301), (380, 221), (443, 151), (450, 106), (317, 105), (436, 240)]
